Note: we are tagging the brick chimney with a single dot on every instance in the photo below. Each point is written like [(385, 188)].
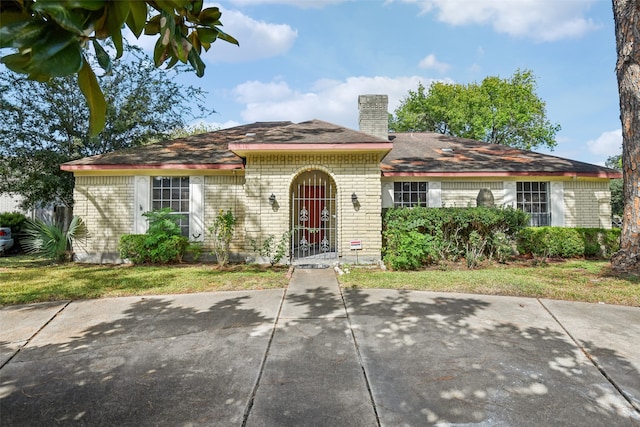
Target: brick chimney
[(374, 117)]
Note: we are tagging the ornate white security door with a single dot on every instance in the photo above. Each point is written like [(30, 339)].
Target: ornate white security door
[(314, 217)]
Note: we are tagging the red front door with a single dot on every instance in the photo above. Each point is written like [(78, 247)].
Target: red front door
[(314, 203)]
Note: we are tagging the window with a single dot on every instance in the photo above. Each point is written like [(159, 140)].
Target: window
[(409, 194), (533, 198), (173, 193)]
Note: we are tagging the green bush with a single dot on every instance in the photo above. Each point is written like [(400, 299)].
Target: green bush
[(222, 232), (410, 250), (453, 233), (562, 242), (162, 244), (132, 248), (50, 238), (271, 250), (14, 220)]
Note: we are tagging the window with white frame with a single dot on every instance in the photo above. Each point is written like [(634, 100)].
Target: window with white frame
[(533, 198), (172, 192), (410, 194)]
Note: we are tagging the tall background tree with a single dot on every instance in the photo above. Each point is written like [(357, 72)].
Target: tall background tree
[(626, 14), (58, 38), (498, 111), (46, 124)]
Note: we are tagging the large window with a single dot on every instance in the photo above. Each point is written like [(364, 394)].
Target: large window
[(409, 194), (533, 198), (172, 192)]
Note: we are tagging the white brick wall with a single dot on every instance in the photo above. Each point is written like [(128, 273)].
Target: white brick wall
[(587, 204), (106, 205)]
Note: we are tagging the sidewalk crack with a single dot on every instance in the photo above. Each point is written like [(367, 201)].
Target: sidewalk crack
[(360, 361), (252, 397), (593, 361), (26, 343)]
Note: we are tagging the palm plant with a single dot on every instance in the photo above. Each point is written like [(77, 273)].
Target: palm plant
[(49, 238)]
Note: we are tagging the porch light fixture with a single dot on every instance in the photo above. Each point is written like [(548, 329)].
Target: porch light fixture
[(272, 199), (354, 198)]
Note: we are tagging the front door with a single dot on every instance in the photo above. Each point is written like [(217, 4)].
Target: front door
[(313, 217)]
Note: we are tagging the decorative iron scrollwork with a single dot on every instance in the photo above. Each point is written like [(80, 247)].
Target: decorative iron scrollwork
[(304, 214), (304, 244), (324, 215), (324, 245)]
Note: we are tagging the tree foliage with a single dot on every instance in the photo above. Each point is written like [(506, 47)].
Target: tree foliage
[(615, 185), (58, 38), (498, 111), (44, 125)]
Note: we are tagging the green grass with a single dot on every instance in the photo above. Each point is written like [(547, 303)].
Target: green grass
[(574, 280), (25, 279)]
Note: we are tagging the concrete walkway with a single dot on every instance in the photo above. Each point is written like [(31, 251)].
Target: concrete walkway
[(312, 355)]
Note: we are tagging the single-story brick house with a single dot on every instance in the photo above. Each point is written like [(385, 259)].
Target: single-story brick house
[(326, 183)]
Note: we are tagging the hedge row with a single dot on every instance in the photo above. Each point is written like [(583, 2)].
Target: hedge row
[(416, 237), (420, 236), (561, 242)]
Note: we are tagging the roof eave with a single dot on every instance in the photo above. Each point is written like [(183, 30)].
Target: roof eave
[(243, 150), (471, 174), (112, 167)]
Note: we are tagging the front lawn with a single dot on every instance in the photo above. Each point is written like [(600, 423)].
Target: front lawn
[(574, 280), (25, 279)]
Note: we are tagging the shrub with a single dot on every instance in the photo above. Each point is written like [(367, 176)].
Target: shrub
[(472, 233), (561, 242), (222, 232), (132, 248), (410, 250), (49, 238), (271, 250), (15, 221), (162, 244)]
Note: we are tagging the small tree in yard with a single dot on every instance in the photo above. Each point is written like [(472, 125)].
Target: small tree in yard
[(222, 233)]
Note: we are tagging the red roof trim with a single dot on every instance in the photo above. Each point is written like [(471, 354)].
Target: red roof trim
[(491, 174), (154, 166), (364, 146)]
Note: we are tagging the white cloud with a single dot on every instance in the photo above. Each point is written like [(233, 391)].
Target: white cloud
[(258, 39), (607, 144), (213, 125), (541, 20), (431, 63), (298, 3), (335, 101)]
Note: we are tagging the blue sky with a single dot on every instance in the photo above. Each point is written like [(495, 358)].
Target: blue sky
[(305, 59)]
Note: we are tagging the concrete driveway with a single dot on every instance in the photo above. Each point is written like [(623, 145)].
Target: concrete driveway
[(312, 355)]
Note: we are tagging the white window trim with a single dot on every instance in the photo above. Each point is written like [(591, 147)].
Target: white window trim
[(196, 208), (434, 196), (556, 195), (142, 204)]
